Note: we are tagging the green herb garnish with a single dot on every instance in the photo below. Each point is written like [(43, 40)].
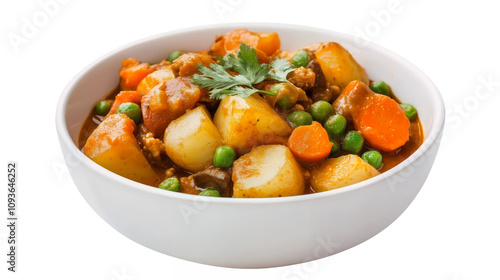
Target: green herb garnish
[(281, 67), (250, 72)]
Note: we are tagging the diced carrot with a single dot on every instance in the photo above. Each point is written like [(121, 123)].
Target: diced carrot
[(132, 73), (267, 43), (129, 62), (263, 57), (379, 118), (124, 97), (310, 142), (168, 101), (236, 37), (383, 123)]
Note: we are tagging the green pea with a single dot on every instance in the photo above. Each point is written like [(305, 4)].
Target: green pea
[(374, 158), (298, 118), (132, 111), (353, 142), (102, 107), (335, 126), (335, 147), (300, 59), (321, 110), (409, 110), (224, 157), (380, 87), (170, 184), (286, 95), (174, 55), (210, 193)]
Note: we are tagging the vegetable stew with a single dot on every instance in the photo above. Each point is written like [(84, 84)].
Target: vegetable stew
[(245, 118)]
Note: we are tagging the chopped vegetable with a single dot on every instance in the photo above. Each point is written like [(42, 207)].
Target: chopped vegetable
[(379, 118), (380, 87), (269, 43), (383, 123), (300, 59), (209, 192), (335, 126), (170, 184), (353, 142), (310, 142), (339, 172), (132, 111), (264, 43), (190, 140), (224, 157), (321, 110), (298, 118), (246, 122), (103, 107), (410, 111), (374, 158), (132, 73), (267, 171), (338, 66)]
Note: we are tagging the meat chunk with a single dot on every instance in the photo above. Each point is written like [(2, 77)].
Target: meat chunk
[(186, 64), (351, 100), (322, 89), (132, 72), (215, 179), (168, 101), (152, 146), (303, 78)]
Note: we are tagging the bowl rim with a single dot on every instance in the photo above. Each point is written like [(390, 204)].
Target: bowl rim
[(432, 135)]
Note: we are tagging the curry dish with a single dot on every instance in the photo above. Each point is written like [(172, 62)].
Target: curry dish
[(245, 118)]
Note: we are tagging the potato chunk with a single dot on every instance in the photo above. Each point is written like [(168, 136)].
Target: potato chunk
[(190, 141), (113, 146), (339, 172), (267, 171), (338, 66), (246, 122)]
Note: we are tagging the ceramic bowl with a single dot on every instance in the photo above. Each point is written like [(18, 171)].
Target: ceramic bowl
[(249, 233)]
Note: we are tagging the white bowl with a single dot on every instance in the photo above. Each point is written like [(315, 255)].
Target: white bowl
[(249, 233)]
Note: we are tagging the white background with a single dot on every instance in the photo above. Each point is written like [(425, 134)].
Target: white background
[(450, 232)]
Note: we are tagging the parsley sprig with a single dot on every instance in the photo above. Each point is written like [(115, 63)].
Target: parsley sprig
[(281, 68), (250, 72)]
